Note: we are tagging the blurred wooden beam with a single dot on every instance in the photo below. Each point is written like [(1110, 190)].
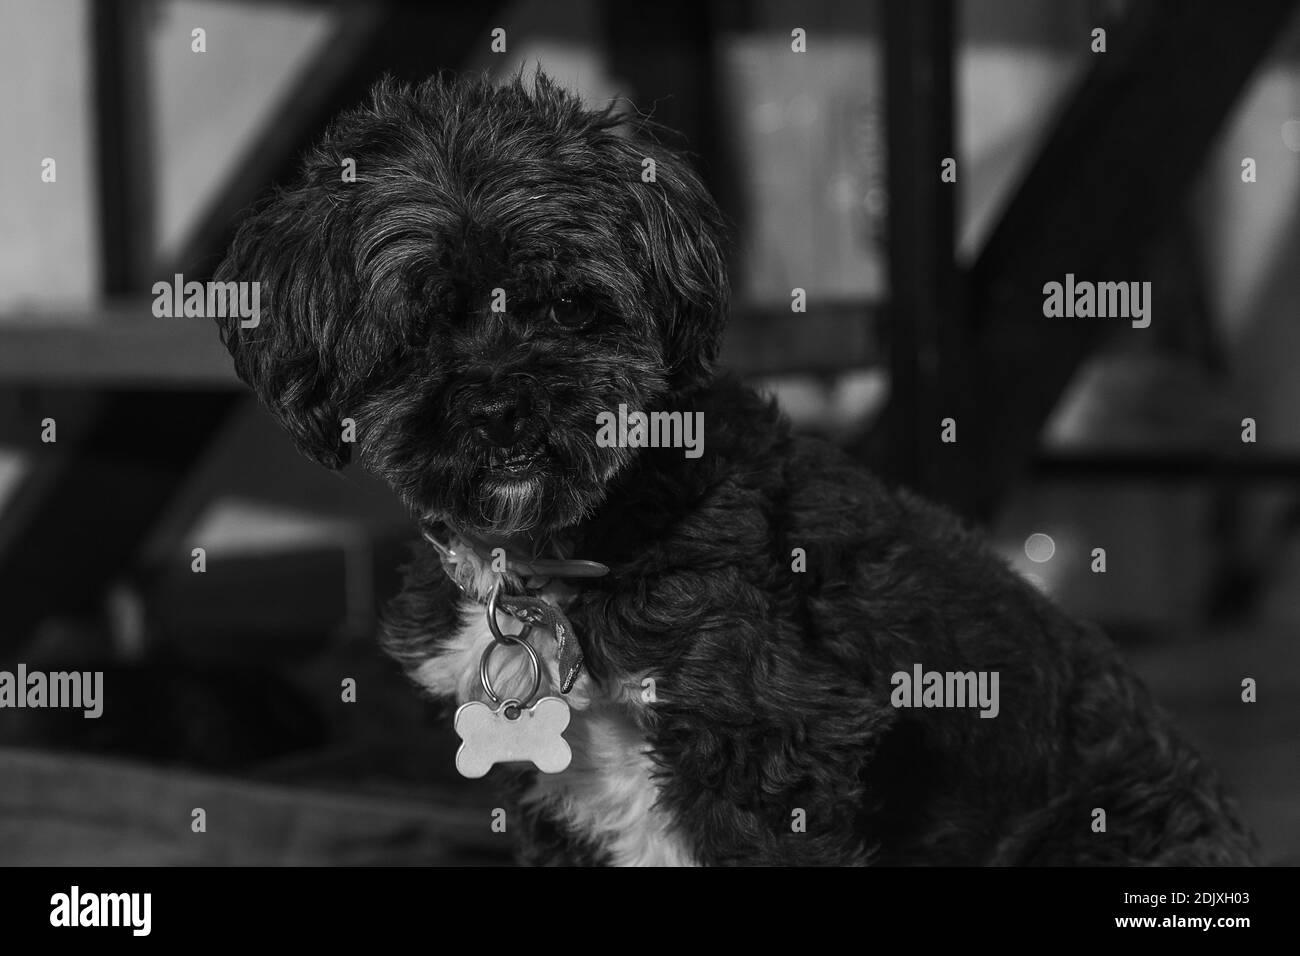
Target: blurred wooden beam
[(829, 338), (121, 346), (411, 41), (1165, 466), (123, 143), (82, 511), (667, 53), (76, 521), (927, 332), (1113, 175), (1114, 172)]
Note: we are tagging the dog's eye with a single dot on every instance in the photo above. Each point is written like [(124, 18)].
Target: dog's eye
[(570, 313)]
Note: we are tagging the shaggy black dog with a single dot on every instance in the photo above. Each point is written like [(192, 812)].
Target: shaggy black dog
[(504, 267)]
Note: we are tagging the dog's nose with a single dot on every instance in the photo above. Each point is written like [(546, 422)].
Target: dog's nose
[(502, 417)]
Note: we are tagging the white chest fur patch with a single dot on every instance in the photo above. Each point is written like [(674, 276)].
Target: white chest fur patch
[(607, 794)]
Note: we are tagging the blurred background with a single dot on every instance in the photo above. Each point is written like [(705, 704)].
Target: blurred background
[(924, 301)]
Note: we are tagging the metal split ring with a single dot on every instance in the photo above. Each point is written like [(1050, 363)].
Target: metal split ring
[(533, 662), (499, 635)]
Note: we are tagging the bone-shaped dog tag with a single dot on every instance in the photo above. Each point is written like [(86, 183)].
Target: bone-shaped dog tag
[(492, 736)]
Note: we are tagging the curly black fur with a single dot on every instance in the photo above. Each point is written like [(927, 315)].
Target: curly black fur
[(381, 290), (774, 686)]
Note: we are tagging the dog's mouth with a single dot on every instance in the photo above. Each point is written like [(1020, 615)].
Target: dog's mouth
[(517, 460)]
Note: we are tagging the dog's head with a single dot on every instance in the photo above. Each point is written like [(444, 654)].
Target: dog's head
[(471, 273)]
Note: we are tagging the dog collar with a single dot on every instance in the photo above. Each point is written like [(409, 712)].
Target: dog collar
[(530, 608), (527, 569)]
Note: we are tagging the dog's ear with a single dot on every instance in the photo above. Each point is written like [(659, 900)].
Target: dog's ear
[(679, 234), (304, 299)]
